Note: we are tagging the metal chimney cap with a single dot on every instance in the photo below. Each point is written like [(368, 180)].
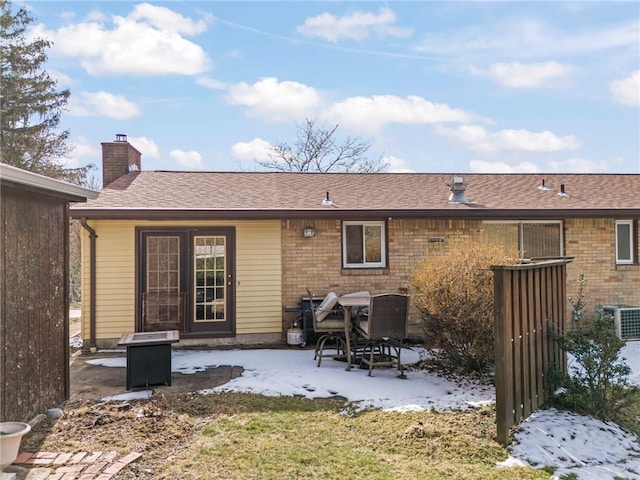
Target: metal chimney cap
[(457, 184), (121, 137), (457, 187)]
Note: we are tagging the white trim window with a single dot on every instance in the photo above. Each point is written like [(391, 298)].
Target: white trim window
[(363, 245), (532, 238), (624, 242)]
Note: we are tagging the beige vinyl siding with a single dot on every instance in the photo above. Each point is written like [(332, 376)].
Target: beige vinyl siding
[(115, 286), (258, 275)]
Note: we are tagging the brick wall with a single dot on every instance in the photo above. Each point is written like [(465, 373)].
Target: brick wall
[(317, 262), (592, 242), (116, 158)]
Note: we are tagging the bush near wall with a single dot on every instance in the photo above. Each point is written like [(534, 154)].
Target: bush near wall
[(454, 294)]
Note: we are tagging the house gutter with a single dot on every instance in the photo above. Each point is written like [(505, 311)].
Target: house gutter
[(92, 283), (462, 212)]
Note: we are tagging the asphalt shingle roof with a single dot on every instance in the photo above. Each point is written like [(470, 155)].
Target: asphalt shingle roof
[(274, 193)]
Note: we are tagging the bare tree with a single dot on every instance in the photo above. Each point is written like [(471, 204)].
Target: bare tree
[(317, 149)]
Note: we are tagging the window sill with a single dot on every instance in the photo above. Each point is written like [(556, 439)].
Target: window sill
[(350, 272)]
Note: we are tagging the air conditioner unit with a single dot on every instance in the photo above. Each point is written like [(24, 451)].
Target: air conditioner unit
[(626, 320)]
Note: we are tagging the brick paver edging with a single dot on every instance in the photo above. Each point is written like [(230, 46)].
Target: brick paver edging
[(80, 465)]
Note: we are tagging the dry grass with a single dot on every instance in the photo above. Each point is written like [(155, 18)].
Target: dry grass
[(243, 436), (251, 436)]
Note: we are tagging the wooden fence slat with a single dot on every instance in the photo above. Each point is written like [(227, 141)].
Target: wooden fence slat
[(529, 309), (529, 352), (517, 356), (503, 352), (539, 338)]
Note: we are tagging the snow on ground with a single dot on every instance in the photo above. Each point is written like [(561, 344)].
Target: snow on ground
[(576, 444), (572, 443), (275, 372)]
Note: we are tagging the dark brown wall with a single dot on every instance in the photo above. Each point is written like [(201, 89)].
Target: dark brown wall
[(34, 344), (116, 159)]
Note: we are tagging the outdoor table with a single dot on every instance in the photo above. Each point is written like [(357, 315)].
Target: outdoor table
[(149, 357), (347, 302)]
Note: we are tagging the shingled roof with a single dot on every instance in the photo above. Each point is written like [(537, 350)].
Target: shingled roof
[(199, 195)]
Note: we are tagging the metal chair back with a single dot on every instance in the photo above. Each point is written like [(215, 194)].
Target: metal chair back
[(388, 313)]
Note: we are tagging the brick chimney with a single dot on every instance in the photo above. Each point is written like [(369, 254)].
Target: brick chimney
[(118, 158)]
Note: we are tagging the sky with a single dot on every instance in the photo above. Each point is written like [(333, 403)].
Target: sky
[(550, 437), (456, 87)]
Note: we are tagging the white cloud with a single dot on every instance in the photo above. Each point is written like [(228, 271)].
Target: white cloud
[(480, 166), (91, 104), (85, 148), (212, 83), (146, 146), (529, 38), (84, 152), (256, 149), (233, 53), (277, 101), (353, 26), (577, 165), (627, 90), (191, 159), (478, 138), (67, 15), (166, 20), (397, 165), (147, 42), (370, 114), (96, 16), (523, 75), (63, 79)]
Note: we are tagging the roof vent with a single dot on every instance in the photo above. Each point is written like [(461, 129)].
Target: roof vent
[(121, 137), (562, 193), (543, 187), (457, 187), (327, 201)]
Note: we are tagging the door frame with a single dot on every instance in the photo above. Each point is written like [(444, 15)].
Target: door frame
[(188, 232)]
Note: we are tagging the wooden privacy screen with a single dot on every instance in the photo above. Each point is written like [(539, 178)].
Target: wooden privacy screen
[(529, 308), (34, 303)]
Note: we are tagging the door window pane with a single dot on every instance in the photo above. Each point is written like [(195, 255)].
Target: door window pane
[(162, 300), (532, 239), (540, 240), (210, 273), (506, 234)]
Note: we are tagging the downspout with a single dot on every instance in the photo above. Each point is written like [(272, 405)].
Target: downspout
[(92, 283)]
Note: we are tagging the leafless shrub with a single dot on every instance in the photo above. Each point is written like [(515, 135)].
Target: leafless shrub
[(454, 293)]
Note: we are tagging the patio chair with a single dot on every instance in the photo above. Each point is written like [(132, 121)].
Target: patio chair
[(383, 330), (328, 323)]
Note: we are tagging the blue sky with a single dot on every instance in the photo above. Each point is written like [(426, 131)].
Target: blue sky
[(433, 86)]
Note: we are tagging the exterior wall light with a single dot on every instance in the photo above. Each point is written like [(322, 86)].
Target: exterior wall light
[(309, 232)]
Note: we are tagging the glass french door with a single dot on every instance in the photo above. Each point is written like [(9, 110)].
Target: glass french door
[(187, 281), (212, 282)]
